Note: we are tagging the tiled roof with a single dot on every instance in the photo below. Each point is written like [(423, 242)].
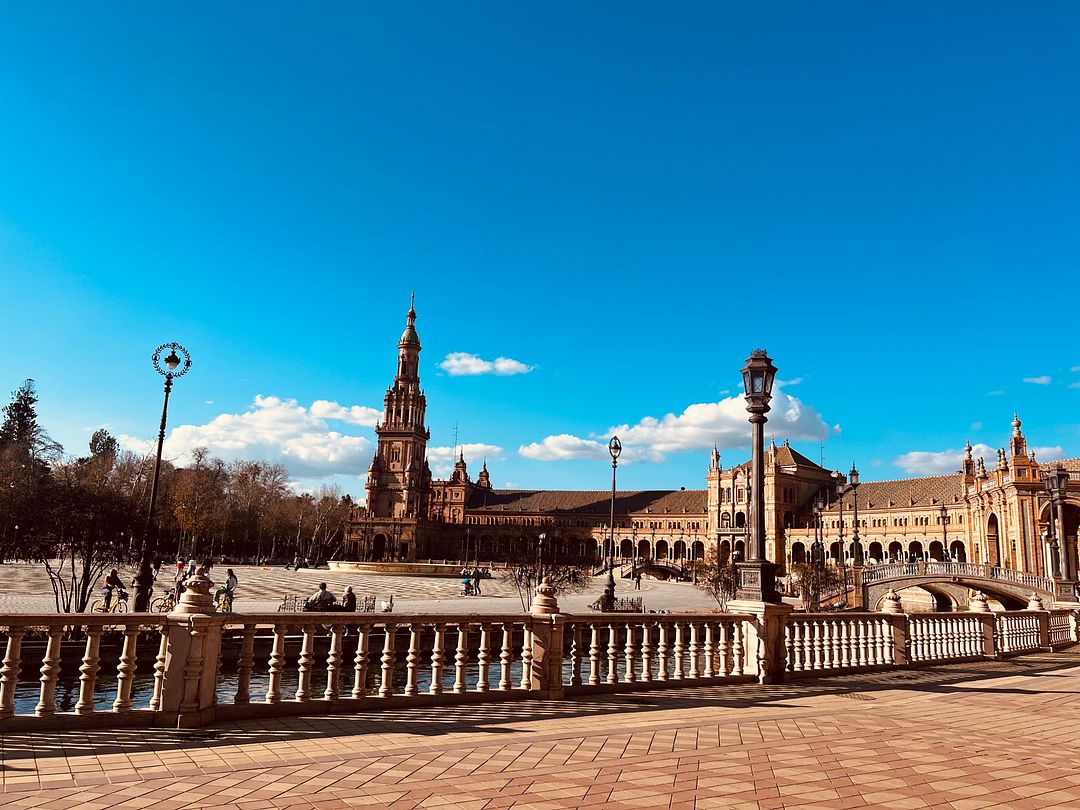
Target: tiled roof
[(906, 492), (784, 455), (1070, 464), (663, 501)]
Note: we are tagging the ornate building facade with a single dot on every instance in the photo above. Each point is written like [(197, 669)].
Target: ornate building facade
[(996, 516)]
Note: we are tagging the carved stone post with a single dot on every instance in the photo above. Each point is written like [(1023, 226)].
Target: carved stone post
[(765, 639), (547, 643), (193, 649)]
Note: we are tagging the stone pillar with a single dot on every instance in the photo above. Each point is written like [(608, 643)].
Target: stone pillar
[(857, 600), (192, 655), (1042, 616), (547, 643), (890, 604), (989, 620), (978, 604), (766, 639)]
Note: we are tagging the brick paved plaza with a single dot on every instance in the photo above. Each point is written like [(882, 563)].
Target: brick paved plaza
[(963, 736)]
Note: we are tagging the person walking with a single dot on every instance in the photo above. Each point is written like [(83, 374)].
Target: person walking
[(475, 577)]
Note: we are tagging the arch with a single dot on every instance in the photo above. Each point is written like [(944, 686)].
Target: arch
[(915, 550), (789, 520), (875, 552), (378, 547), (834, 550), (798, 553), (680, 550), (643, 550), (993, 541), (725, 521), (937, 551), (896, 550), (957, 551), (724, 550), (697, 550), (740, 551), (661, 549), (626, 548), (740, 520)]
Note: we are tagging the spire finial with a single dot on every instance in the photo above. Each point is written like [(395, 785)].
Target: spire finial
[(412, 300), (1016, 424)]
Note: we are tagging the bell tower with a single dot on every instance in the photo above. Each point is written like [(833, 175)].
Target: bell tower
[(396, 479)]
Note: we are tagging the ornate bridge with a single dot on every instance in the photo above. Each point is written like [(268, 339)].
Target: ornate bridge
[(951, 580)]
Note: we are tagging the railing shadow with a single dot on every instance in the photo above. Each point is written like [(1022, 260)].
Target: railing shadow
[(493, 718)]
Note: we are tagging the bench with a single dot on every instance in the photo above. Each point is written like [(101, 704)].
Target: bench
[(298, 604)]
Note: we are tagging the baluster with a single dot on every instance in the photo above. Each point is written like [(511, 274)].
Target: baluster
[(9, 674), (526, 657), (360, 662), (594, 654), (412, 661), (506, 656), (863, 641), (819, 656), (914, 639), (662, 651), (483, 658), (303, 665), (125, 671), (461, 658), (789, 646), (694, 652), (575, 654), (724, 650), (159, 669), (680, 652), (276, 665), (937, 636), (333, 664), (245, 665), (386, 685), (710, 651), (629, 676), (832, 643), (613, 654), (873, 630), (646, 653), (50, 668), (953, 637), (844, 634), (738, 648), (88, 671), (437, 660), (887, 641)]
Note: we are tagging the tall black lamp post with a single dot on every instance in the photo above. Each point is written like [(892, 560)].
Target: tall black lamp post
[(614, 448), (175, 367), (757, 576), (853, 485), (817, 551), (540, 558), (944, 513)]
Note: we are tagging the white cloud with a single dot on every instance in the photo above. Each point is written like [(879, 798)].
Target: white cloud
[(272, 429), (923, 462), (997, 392), (441, 459), (976, 425), (1055, 453), (354, 414), (460, 364), (564, 447), (1075, 368), (1074, 385), (1044, 379), (698, 427)]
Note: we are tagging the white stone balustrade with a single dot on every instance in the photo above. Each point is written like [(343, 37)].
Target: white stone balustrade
[(192, 668)]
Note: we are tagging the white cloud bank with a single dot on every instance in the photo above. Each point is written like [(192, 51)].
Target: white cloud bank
[(1044, 379), (462, 364), (276, 430), (698, 427), (441, 459), (926, 462)]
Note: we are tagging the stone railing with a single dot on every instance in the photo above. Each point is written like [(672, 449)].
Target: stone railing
[(194, 666), (910, 570)]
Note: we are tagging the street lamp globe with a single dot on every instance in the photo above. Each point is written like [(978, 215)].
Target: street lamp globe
[(758, 376), (614, 447), (853, 476)]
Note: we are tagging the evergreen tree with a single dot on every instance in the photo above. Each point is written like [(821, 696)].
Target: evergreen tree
[(20, 430)]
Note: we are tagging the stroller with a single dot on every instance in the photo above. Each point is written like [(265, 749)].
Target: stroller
[(466, 587)]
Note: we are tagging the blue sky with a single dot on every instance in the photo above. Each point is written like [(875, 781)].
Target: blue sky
[(624, 199)]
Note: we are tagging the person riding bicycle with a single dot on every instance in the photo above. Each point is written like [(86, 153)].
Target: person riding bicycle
[(112, 582)]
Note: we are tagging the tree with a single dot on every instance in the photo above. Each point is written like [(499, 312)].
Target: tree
[(22, 431), (813, 580), (567, 573), (716, 576)]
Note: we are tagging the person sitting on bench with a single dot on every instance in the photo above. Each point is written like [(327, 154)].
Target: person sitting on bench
[(322, 599)]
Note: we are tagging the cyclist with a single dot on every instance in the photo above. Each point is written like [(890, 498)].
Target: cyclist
[(112, 582)]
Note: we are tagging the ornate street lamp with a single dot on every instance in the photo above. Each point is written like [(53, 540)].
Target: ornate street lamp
[(817, 551), (853, 485), (757, 576), (175, 367), (944, 513), (614, 448), (540, 558)]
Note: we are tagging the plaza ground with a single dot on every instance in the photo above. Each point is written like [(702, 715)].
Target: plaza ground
[(24, 587), (964, 736)]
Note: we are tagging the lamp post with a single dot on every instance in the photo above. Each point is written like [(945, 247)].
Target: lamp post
[(1056, 482), (174, 367), (757, 576), (817, 551), (853, 485), (945, 532), (614, 448), (540, 558)]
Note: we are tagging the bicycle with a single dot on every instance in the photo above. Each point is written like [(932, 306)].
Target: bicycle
[(164, 604), (119, 603)]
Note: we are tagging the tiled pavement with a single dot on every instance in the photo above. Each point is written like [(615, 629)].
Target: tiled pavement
[(24, 587), (965, 736)]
